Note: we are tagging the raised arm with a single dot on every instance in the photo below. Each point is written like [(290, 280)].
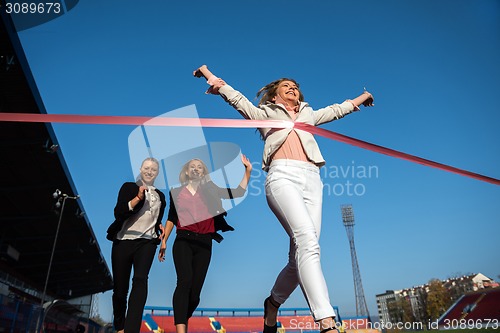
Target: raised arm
[(214, 82), (337, 111), (365, 99), (235, 98), (230, 193), (248, 170)]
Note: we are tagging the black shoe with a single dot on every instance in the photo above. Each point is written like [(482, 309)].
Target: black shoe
[(270, 329), (274, 328), (329, 329)]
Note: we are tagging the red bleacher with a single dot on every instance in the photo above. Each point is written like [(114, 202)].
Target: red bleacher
[(165, 322), (196, 324), (255, 324), (484, 304), (234, 323), (456, 311), (297, 323), (144, 327), (488, 307), (247, 320), (241, 324)]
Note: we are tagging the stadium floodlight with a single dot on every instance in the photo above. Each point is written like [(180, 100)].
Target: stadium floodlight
[(348, 219), (61, 201)]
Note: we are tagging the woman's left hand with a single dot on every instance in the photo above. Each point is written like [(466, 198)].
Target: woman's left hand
[(161, 253), (369, 99)]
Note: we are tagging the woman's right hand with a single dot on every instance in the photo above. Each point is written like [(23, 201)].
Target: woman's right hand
[(141, 194)]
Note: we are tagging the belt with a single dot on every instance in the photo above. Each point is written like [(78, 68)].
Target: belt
[(193, 234)]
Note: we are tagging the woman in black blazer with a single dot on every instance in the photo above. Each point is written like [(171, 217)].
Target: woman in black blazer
[(136, 233), (196, 211)]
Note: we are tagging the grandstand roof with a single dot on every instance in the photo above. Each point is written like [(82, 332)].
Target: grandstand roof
[(31, 170)]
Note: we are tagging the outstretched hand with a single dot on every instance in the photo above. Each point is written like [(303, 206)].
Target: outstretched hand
[(369, 100), (197, 73), (202, 71), (213, 81)]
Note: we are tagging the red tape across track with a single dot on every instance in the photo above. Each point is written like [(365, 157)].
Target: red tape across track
[(233, 123)]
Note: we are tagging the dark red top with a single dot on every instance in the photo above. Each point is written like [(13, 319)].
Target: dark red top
[(193, 213)]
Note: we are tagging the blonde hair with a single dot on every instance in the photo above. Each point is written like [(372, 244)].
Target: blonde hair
[(151, 159), (183, 177), (268, 92)]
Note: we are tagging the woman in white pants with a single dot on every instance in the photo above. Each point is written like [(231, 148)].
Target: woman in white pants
[(293, 186)]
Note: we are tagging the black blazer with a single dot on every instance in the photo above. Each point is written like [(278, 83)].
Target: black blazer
[(127, 192), (212, 195)]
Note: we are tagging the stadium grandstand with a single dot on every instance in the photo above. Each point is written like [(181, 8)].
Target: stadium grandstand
[(481, 306), (50, 261), (225, 320)]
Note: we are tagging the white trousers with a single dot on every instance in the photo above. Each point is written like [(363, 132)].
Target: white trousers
[(294, 192)]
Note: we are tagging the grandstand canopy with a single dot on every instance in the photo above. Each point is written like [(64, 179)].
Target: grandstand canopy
[(32, 168)]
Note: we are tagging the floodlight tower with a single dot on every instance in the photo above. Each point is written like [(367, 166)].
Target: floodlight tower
[(94, 306), (348, 219)]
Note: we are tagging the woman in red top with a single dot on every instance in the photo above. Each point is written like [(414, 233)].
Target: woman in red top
[(196, 211)]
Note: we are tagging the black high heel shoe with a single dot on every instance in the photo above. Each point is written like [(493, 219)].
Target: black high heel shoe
[(274, 328), (333, 328)]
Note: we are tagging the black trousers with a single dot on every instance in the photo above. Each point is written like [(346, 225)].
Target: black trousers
[(191, 253), (125, 255)]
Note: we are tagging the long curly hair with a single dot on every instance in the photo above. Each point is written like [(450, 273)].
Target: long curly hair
[(268, 92)]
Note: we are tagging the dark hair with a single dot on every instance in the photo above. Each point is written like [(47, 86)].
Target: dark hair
[(268, 92)]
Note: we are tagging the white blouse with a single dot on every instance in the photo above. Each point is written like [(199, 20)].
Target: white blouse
[(142, 224)]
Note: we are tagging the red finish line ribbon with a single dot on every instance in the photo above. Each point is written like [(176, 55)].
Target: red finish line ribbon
[(138, 121), (233, 123), (391, 152)]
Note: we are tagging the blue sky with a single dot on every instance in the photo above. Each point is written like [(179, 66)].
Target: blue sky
[(431, 65)]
